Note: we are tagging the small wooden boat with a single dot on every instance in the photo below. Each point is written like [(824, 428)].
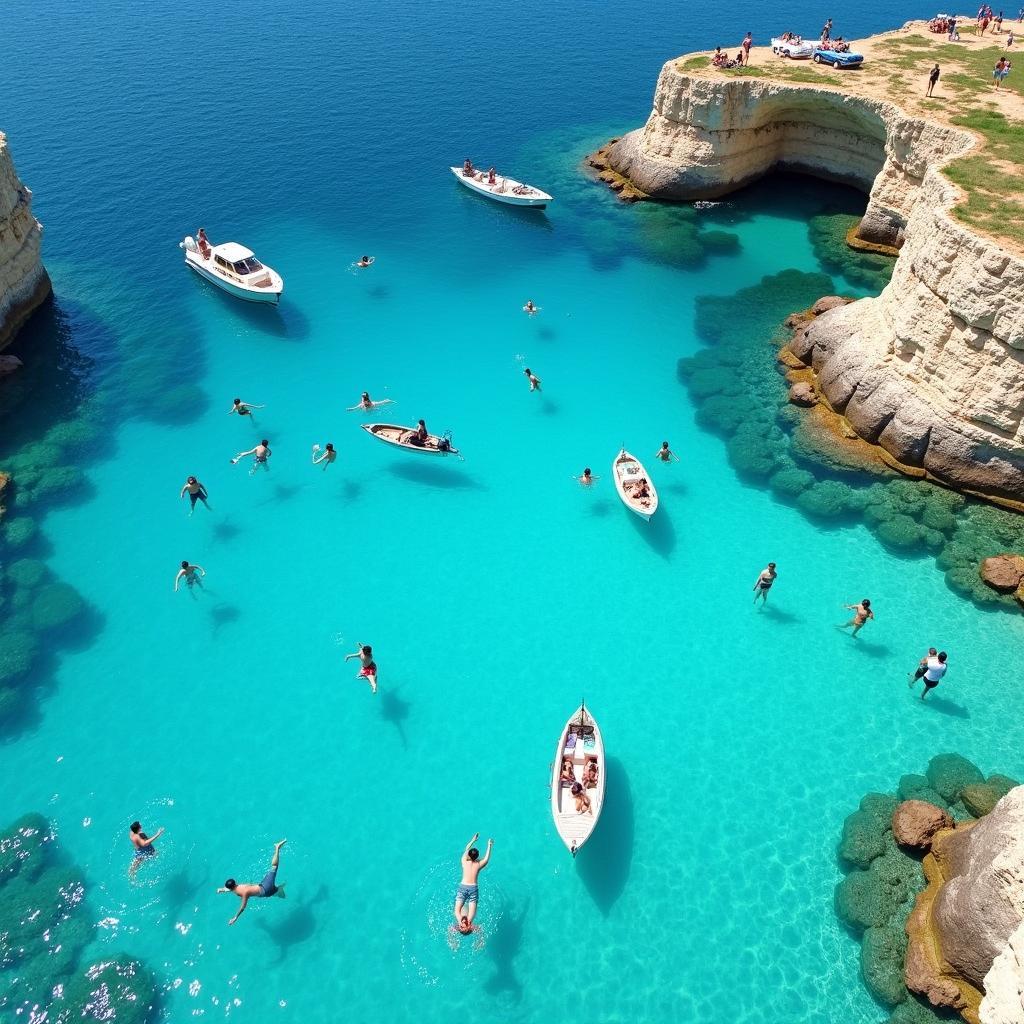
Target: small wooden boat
[(401, 437), (581, 747), (630, 475), (504, 190)]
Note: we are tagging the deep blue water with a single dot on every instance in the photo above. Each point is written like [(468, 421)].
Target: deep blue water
[(495, 591)]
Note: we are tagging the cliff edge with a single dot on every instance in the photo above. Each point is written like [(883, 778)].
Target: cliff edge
[(24, 283), (932, 369)]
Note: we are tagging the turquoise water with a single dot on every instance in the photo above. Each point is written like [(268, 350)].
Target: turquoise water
[(496, 592)]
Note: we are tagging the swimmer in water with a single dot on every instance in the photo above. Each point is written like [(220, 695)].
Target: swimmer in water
[(586, 478), (260, 456), (143, 844), (196, 492), (534, 381), (861, 613), (368, 670), (530, 307), (468, 892), (246, 891), (764, 583), (244, 408), (367, 404), (666, 454), (326, 457), (364, 261), (189, 571)]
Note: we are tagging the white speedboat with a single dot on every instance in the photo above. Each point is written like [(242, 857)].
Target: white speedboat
[(795, 48), (579, 764), (504, 190), (235, 269)]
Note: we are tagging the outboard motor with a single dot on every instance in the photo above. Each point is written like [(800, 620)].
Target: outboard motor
[(189, 244)]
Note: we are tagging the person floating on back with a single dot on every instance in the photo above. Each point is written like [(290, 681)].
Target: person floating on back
[(764, 583), (143, 844), (861, 613), (933, 669), (468, 892), (246, 891)]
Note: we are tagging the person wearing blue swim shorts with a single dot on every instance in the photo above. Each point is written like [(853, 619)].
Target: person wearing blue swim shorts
[(144, 848), (246, 891), (467, 894)]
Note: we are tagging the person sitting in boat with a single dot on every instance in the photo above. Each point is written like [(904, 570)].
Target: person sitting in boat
[(468, 170), (491, 179), (204, 243), (590, 775), (582, 800), (568, 775), (419, 435), (641, 489)]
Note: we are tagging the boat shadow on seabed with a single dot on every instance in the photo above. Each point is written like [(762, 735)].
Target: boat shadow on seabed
[(605, 862)]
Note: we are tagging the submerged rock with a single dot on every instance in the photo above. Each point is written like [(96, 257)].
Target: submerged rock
[(914, 823), (949, 773)]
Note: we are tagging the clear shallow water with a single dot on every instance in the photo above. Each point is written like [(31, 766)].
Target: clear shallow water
[(495, 592)]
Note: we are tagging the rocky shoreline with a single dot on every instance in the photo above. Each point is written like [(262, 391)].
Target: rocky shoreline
[(932, 369)]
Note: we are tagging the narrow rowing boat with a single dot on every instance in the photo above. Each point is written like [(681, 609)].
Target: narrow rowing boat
[(504, 190), (402, 437), (581, 752), (634, 485)]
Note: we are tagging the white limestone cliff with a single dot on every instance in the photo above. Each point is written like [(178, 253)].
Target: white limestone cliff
[(1004, 984), (932, 370), (24, 283)]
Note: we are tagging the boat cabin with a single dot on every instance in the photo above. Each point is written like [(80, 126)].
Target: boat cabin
[(234, 259)]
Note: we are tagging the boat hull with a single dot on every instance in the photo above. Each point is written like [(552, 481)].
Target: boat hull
[(575, 829), (262, 295), (644, 512), (535, 202)]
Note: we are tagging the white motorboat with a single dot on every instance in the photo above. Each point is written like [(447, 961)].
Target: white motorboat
[(579, 754), (405, 438), (234, 268), (795, 48), (504, 190), (635, 487)]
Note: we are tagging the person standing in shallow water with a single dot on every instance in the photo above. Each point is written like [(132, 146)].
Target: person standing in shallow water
[(665, 454), (260, 456), (143, 844), (467, 894), (764, 583), (246, 891), (934, 669), (861, 613), (196, 492), (368, 669), (933, 78)]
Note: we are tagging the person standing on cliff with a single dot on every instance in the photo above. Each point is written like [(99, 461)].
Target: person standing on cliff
[(826, 31), (933, 77), (748, 41)]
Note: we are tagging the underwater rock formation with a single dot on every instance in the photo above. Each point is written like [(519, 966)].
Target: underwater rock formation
[(24, 284), (885, 886)]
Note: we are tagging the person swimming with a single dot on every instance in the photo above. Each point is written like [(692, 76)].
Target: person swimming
[(196, 492), (534, 380), (368, 669), (260, 456), (244, 408), (468, 892), (367, 404), (143, 845), (665, 454), (188, 572), (764, 582), (530, 307), (586, 478), (326, 457), (246, 891), (365, 261), (861, 613)]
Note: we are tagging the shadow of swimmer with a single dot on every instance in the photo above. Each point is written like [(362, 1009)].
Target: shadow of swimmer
[(605, 862), (503, 946), (297, 926)]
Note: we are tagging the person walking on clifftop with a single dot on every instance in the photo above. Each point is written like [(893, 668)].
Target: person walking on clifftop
[(933, 77), (748, 41)]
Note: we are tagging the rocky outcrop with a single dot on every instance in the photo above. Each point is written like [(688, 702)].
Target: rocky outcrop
[(1004, 573), (932, 370), (915, 823), (1004, 984), (973, 903), (24, 284)]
